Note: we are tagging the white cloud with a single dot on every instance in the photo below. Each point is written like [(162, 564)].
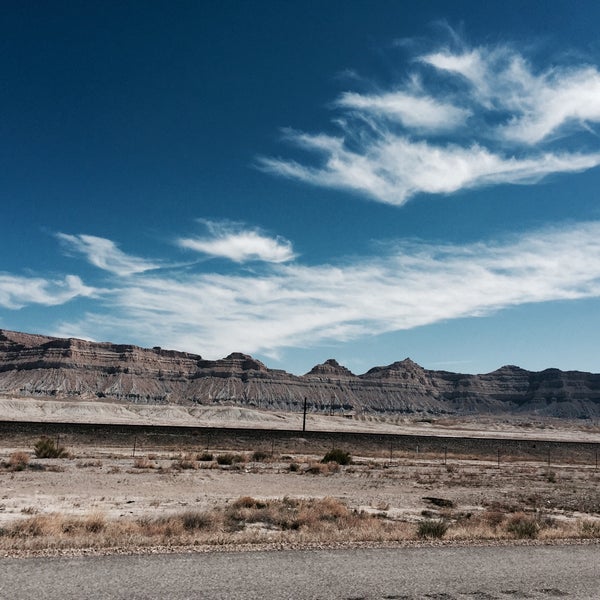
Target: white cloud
[(18, 291), (230, 241), (295, 305), (496, 122), (420, 112), (392, 168), (554, 101), (106, 255)]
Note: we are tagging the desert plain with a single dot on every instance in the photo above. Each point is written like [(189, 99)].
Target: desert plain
[(111, 494)]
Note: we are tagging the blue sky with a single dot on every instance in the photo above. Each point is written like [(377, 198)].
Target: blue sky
[(305, 180)]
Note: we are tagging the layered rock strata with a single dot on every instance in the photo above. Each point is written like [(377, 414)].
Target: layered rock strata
[(41, 366)]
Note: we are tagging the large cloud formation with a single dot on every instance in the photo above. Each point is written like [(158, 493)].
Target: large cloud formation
[(485, 116), (286, 305)]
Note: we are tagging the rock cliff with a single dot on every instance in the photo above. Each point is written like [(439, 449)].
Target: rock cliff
[(40, 366)]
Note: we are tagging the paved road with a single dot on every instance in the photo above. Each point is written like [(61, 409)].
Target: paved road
[(382, 574)]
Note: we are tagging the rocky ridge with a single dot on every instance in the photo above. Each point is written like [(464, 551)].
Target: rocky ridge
[(40, 366)]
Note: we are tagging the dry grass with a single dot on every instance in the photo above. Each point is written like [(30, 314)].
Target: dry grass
[(288, 520), (141, 462)]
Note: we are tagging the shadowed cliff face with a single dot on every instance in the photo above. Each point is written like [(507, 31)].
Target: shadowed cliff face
[(35, 365)]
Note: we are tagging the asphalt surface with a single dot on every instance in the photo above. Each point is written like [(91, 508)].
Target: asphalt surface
[(409, 573)]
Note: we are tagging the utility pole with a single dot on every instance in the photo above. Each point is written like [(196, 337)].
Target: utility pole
[(304, 416)]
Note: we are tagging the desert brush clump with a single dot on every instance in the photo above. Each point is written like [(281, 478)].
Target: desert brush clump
[(523, 526), (46, 447), (141, 462), (18, 461), (341, 457), (432, 529), (260, 456), (321, 468), (229, 459)]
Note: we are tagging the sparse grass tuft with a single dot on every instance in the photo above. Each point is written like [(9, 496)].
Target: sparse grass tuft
[(205, 457), (432, 529)]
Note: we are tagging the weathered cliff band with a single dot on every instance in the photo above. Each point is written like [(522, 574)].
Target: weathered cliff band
[(35, 365)]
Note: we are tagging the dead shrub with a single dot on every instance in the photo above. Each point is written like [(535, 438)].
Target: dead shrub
[(184, 464), (522, 526), (493, 518), (590, 529), (229, 459), (319, 468), (260, 456), (18, 461), (248, 502), (94, 523), (341, 457), (35, 526), (286, 514), (193, 520), (82, 464), (141, 462)]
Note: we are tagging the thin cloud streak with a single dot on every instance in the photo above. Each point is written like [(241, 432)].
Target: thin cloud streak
[(19, 291), (239, 245), (294, 305), (502, 123), (106, 255), (419, 112)]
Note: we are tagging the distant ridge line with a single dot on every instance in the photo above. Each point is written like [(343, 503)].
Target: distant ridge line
[(44, 366)]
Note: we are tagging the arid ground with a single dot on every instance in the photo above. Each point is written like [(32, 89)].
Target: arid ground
[(114, 497)]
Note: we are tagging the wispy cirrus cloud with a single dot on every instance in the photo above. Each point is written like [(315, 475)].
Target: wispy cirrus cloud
[(17, 291), (106, 255), (395, 168), (239, 243), (550, 102), (294, 305), (485, 117), (411, 110)]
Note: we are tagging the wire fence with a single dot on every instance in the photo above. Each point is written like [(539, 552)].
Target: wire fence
[(144, 439)]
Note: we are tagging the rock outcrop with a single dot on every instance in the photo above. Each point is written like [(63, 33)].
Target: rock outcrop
[(41, 366)]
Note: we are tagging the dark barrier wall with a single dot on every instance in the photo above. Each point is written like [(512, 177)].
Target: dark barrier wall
[(148, 437)]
